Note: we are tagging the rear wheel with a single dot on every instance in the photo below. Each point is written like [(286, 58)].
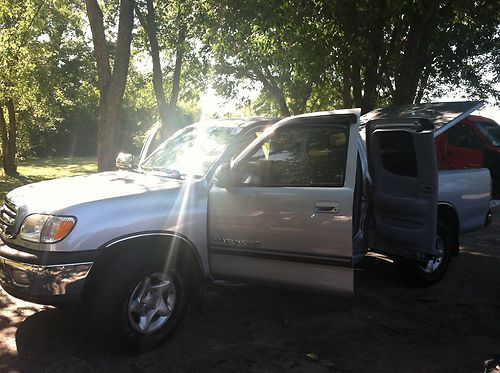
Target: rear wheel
[(429, 272), (139, 303)]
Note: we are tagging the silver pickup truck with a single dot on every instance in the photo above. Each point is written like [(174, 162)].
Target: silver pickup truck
[(293, 204)]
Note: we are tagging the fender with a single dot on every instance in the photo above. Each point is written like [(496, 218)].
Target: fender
[(160, 239), (151, 235), (448, 214)]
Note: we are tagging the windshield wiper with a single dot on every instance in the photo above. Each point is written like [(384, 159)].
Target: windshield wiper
[(168, 172)]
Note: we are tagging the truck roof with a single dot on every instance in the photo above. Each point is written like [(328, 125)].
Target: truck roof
[(236, 122), (442, 115)]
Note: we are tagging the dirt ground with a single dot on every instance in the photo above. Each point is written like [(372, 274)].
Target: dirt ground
[(388, 326)]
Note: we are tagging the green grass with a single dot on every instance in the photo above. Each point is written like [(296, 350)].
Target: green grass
[(33, 170)]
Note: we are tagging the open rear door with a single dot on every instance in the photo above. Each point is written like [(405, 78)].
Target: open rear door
[(403, 165)]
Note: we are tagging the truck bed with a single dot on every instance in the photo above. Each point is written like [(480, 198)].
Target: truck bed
[(469, 192)]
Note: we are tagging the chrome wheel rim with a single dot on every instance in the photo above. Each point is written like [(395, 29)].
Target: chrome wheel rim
[(151, 303), (433, 265)]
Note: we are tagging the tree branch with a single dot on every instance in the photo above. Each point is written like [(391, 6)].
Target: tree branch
[(270, 85)]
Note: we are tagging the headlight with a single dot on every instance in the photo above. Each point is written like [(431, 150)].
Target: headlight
[(46, 228)]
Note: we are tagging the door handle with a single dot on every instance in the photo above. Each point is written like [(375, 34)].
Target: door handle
[(329, 207), (427, 188)]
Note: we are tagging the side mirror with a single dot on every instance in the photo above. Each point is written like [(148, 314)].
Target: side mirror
[(125, 161), (224, 176)]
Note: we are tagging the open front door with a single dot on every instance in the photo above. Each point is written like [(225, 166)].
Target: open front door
[(403, 165), (286, 219)]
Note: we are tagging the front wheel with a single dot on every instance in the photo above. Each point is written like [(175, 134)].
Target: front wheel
[(140, 302), (152, 302), (428, 273)]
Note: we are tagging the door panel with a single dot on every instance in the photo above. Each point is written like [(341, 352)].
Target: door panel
[(297, 275), (462, 158), (289, 220), (404, 170), (283, 220)]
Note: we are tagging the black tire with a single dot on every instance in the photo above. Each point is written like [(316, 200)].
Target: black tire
[(117, 316), (426, 274)]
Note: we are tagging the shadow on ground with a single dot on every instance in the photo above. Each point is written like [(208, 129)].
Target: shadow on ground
[(388, 326)]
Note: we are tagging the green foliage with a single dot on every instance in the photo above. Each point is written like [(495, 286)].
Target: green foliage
[(46, 68), (171, 16), (468, 54), (302, 55), (285, 45), (324, 54), (37, 169)]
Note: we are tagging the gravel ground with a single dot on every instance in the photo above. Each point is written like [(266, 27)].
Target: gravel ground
[(388, 326)]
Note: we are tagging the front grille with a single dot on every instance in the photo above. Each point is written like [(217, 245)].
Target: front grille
[(8, 213)]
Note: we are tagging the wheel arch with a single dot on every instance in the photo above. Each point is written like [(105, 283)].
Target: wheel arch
[(166, 245), (448, 215)]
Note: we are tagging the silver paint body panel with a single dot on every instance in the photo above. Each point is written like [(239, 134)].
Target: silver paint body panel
[(469, 193), (111, 205)]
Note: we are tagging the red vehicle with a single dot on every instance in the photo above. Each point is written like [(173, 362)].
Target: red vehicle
[(472, 143)]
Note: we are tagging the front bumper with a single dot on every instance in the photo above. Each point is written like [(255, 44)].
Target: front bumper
[(41, 281)]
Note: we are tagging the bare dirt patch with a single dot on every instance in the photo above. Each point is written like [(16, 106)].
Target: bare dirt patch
[(453, 326)]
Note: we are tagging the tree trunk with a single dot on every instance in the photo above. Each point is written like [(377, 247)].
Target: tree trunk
[(166, 110), (423, 84), (148, 23), (415, 53), (357, 86), (299, 105), (176, 81), (346, 85), (179, 58), (8, 135), (279, 98), (111, 84), (374, 54), (351, 80)]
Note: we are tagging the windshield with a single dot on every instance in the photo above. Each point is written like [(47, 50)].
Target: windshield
[(491, 131), (191, 152)]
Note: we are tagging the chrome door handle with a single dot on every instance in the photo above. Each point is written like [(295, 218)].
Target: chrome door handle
[(329, 207)]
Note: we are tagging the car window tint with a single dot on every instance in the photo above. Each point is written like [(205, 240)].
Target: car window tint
[(462, 136), (299, 156), (398, 155)]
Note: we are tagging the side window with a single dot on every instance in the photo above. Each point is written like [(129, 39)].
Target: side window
[(397, 152), (245, 141), (462, 136), (299, 156)]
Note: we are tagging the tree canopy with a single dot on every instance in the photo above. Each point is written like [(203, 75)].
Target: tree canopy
[(74, 75)]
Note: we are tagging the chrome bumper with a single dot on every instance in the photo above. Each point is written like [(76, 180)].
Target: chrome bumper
[(34, 282)]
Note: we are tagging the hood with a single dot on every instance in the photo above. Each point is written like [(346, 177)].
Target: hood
[(53, 195)]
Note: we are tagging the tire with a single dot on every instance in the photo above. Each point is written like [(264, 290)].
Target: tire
[(426, 274), (138, 304)]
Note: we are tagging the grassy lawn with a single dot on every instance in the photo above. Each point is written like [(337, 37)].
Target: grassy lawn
[(33, 170)]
